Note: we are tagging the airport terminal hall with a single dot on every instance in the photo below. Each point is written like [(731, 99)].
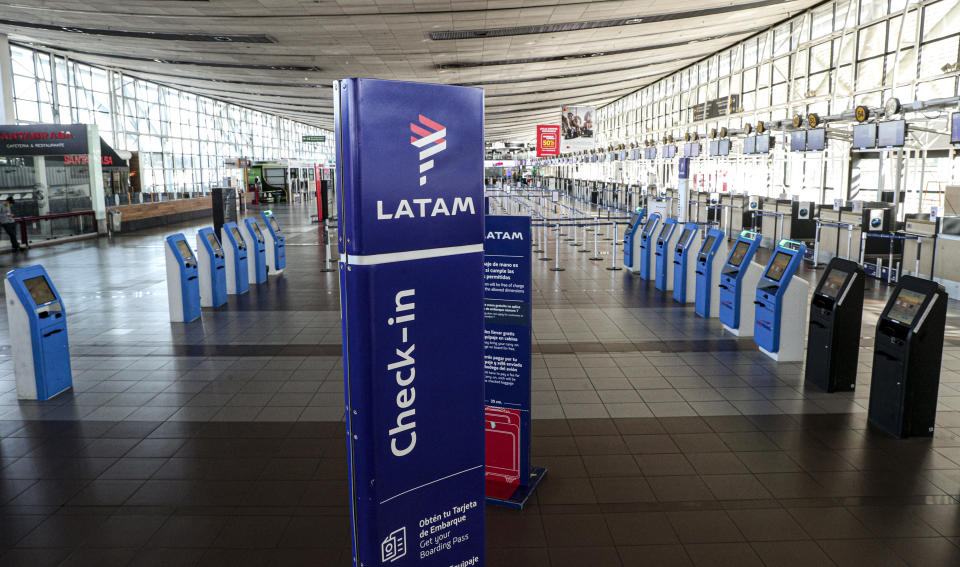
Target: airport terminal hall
[(480, 283)]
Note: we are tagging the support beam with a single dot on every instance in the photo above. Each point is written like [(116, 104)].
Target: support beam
[(8, 113)]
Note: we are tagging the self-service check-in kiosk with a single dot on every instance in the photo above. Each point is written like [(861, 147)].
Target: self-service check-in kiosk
[(666, 242), (684, 260), (631, 235), (646, 261), (183, 285), (256, 253), (906, 359), (833, 338), (781, 304), (235, 258), (211, 269), (710, 259), (275, 244), (738, 282), (38, 337)]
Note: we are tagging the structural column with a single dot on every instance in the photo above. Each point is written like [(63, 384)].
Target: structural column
[(7, 111), (95, 167)]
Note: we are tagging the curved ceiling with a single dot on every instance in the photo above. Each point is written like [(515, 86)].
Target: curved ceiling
[(282, 55)]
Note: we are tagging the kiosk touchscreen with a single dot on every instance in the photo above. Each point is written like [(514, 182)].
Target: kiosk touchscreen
[(256, 253), (646, 262), (710, 259), (631, 234), (781, 304), (833, 337), (275, 244), (212, 269), (666, 242), (235, 258), (739, 273), (41, 352), (906, 359), (684, 259), (183, 285)]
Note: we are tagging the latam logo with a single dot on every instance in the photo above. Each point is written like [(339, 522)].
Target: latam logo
[(429, 143)]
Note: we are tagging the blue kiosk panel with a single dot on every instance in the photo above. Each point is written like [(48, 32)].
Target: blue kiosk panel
[(41, 356), (235, 248), (711, 244), (770, 291), (681, 256), (257, 248), (213, 267), (277, 255), (647, 245), (629, 235), (183, 285), (664, 256), (731, 277)]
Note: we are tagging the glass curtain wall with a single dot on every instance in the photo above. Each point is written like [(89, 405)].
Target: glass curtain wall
[(183, 138)]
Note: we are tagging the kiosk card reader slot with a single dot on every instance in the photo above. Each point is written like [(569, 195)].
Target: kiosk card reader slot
[(740, 275), (275, 244), (710, 259), (781, 304), (212, 269), (646, 263), (684, 260), (906, 359), (235, 258), (666, 242), (41, 352), (630, 236), (833, 338), (183, 285), (256, 253)]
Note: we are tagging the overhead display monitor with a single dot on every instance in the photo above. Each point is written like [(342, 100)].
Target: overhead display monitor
[(816, 140), (798, 141), (778, 266), (707, 245), (185, 250), (237, 237), (273, 223), (739, 251), (723, 147), (750, 145), (763, 144), (906, 306), (833, 282), (212, 240), (865, 136), (39, 289), (684, 238), (714, 148), (694, 149), (955, 128), (892, 134)]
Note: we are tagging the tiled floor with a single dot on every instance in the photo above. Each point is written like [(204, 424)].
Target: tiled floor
[(667, 442)]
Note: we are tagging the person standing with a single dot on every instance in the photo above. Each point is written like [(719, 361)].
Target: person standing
[(8, 223)]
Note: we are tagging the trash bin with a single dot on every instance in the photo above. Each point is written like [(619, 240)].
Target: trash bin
[(115, 220)]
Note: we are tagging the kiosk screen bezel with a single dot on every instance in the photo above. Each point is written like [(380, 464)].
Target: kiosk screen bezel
[(739, 253), (256, 228), (634, 219), (214, 243), (185, 251), (651, 226), (780, 260), (904, 313), (238, 237), (684, 239), (707, 244), (833, 282), (273, 223), (664, 235), (39, 289)]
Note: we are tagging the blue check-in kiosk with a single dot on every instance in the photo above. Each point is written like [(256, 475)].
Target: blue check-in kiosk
[(646, 261), (256, 253), (738, 282), (275, 244), (183, 285), (666, 242), (235, 258), (710, 259), (684, 260), (781, 304), (211, 268), (631, 235), (38, 338)]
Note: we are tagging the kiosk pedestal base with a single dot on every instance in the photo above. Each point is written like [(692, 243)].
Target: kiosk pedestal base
[(781, 356), (739, 332), (521, 495)]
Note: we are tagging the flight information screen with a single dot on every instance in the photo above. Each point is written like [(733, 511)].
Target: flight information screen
[(739, 251), (778, 266), (906, 306), (39, 290), (833, 282)]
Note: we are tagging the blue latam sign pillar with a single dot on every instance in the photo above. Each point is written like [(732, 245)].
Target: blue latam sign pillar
[(411, 231)]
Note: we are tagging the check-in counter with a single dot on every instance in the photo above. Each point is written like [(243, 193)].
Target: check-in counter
[(741, 218), (948, 246), (769, 223), (918, 254), (851, 235), (703, 201)]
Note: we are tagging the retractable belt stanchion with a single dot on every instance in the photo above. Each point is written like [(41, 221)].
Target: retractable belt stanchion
[(546, 242), (556, 266), (614, 267), (328, 259), (596, 247), (583, 248)]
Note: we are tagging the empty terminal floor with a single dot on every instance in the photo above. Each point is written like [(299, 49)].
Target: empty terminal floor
[(220, 442)]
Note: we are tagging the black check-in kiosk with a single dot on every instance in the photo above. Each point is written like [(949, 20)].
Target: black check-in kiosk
[(833, 338), (906, 359)]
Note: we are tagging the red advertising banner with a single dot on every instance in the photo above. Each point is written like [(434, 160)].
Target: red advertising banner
[(548, 140)]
